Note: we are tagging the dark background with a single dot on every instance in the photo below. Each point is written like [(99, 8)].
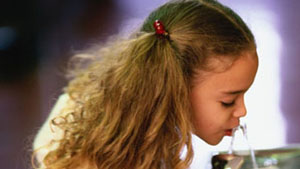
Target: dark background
[(38, 37)]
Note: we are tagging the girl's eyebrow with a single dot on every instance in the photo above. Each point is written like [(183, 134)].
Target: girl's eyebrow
[(235, 92)]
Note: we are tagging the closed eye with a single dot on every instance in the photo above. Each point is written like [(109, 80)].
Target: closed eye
[(227, 104)]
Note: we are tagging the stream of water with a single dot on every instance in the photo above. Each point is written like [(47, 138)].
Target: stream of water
[(252, 153)]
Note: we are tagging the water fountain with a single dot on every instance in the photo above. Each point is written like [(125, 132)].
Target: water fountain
[(279, 158)]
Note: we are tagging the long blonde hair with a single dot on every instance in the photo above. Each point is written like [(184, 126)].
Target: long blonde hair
[(130, 108)]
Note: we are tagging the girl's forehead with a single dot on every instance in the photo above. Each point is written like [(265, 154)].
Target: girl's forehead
[(239, 76)]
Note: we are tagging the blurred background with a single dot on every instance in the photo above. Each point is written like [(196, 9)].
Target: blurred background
[(38, 37)]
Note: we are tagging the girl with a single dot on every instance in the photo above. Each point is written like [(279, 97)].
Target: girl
[(139, 100)]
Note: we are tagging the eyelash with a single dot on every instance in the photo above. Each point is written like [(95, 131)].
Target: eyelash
[(227, 104)]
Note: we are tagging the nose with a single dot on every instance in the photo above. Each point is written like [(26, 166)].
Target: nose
[(241, 110)]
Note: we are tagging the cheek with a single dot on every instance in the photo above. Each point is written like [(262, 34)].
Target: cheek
[(210, 119), (204, 117), (208, 115), (204, 113)]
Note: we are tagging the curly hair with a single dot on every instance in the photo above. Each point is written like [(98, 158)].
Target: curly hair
[(130, 108)]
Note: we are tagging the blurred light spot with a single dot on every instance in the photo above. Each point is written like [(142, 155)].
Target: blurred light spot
[(7, 37)]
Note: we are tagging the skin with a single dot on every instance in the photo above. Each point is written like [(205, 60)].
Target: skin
[(217, 98)]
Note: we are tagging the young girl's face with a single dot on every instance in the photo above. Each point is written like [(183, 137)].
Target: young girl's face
[(217, 98)]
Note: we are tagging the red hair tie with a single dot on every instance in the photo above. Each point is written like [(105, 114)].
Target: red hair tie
[(159, 28)]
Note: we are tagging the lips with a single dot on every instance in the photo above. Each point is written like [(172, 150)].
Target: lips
[(228, 132)]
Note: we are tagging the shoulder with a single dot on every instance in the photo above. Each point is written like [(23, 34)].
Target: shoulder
[(43, 140)]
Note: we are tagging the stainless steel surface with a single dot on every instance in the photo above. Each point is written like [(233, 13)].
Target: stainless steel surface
[(279, 158)]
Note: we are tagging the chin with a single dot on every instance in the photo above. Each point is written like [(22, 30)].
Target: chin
[(213, 141)]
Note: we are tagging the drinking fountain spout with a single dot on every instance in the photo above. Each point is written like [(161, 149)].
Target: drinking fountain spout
[(223, 161)]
